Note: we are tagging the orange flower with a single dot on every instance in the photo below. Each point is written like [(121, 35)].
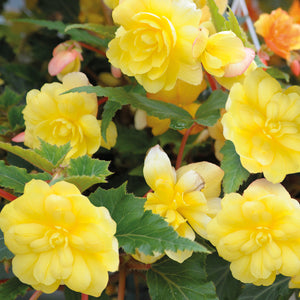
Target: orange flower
[(294, 11), (281, 33)]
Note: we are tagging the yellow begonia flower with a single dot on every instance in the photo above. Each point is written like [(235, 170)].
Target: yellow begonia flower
[(59, 237), (222, 54), (111, 136), (186, 198), (263, 122), (58, 119), (228, 82), (258, 233), (154, 42)]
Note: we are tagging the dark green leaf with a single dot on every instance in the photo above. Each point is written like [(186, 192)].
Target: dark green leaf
[(15, 178), (278, 74), (137, 229), (110, 109), (15, 117), (5, 254), (228, 288), (209, 112), (217, 18), (28, 155), (235, 173), (168, 279), (85, 171), (75, 34), (9, 98), (134, 141), (102, 30), (54, 154), (279, 290), (12, 288), (179, 117)]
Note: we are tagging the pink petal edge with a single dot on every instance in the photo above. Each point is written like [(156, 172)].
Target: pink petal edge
[(239, 68), (60, 61), (19, 138)]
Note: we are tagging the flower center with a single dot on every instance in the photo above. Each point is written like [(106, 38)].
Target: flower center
[(58, 237), (272, 128), (62, 127), (262, 235)]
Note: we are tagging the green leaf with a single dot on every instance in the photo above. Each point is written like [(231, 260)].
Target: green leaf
[(15, 116), (279, 290), (209, 111), (15, 178), (278, 74), (170, 280), (85, 171), (109, 110), (5, 254), (233, 25), (9, 98), (179, 117), (134, 141), (235, 173), (218, 271), (217, 18), (139, 229), (102, 30), (76, 34), (54, 154), (29, 155), (12, 288)]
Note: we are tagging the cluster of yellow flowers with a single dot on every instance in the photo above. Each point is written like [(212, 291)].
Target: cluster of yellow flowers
[(59, 237), (159, 43)]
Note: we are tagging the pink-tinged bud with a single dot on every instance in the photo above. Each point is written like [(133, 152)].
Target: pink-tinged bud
[(66, 59), (239, 68), (19, 138), (295, 67), (116, 72)]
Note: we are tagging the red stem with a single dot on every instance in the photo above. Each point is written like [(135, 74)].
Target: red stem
[(182, 145), (102, 100), (122, 283), (92, 48), (7, 195), (147, 193), (212, 82), (36, 295), (84, 297)]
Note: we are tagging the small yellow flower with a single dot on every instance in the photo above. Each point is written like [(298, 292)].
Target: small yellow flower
[(258, 233), (263, 122), (59, 237), (222, 54), (154, 42), (58, 119), (186, 198), (111, 136)]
